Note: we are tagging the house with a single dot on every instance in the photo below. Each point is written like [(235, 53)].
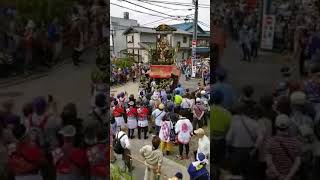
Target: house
[(141, 39), (203, 38), (118, 25)]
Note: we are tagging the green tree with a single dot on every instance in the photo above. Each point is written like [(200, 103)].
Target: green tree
[(43, 11)]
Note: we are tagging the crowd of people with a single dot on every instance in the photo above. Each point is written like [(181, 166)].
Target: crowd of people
[(124, 75), (32, 44), (274, 137), (172, 117), (42, 143)]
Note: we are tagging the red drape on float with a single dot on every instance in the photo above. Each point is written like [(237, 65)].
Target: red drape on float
[(163, 71)]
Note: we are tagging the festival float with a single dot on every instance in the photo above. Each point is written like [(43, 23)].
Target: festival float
[(163, 67)]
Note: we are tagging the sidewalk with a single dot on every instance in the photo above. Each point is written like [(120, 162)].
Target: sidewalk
[(66, 59), (169, 167)]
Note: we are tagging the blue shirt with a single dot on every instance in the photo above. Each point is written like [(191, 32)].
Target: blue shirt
[(199, 172), (228, 93), (181, 90)]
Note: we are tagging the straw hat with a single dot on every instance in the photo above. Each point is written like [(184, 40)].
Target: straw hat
[(161, 106), (199, 131)]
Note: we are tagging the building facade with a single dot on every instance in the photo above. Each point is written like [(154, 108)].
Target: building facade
[(141, 39), (118, 41)]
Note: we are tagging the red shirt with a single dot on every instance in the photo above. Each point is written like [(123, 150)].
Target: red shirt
[(98, 157), (117, 111), (132, 112), (142, 112), (72, 159), (26, 157)]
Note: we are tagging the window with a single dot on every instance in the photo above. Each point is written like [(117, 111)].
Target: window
[(178, 44), (184, 39), (130, 38)]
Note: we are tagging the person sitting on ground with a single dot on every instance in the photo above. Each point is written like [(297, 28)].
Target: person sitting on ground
[(197, 169)]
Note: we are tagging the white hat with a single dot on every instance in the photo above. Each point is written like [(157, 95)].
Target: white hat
[(198, 100), (282, 121), (203, 92), (298, 98), (68, 131)]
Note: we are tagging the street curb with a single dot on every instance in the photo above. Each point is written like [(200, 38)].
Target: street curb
[(21, 79)]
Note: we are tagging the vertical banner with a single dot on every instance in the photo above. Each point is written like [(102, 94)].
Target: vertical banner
[(267, 36), (194, 56)]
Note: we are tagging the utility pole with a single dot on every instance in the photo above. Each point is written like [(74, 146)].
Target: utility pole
[(194, 38)]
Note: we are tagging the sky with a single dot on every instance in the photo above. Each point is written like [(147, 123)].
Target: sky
[(163, 10)]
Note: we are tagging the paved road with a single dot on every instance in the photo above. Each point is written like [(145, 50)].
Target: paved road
[(262, 73), (67, 84)]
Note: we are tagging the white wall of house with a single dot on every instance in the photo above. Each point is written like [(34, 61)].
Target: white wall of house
[(144, 56), (148, 37), (179, 38), (133, 40), (119, 25)]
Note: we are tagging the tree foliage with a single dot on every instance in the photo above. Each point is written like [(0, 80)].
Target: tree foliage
[(124, 62), (43, 11)]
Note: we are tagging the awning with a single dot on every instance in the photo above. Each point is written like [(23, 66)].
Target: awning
[(163, 71)]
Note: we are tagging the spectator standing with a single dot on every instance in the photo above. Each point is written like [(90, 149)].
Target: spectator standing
[(153, 159), (158, 115), (220, 119), (242, 140), (183, 129), (164, 135), (283, 152), (203, 143), (198, 111)]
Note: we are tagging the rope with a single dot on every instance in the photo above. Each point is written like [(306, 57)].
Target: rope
[(142, 162)]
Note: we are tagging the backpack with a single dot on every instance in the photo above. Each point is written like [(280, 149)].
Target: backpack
[(117, 147)]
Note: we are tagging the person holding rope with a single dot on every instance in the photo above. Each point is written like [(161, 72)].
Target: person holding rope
[(153, 159)]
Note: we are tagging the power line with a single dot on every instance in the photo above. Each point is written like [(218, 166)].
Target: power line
[(176, 3), (154, 4), (154, 21), (147, 8), (138, 11)]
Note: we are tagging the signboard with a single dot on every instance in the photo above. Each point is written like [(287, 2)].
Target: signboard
[(267, 37), (194, 57), (194, 43), (194, 70)]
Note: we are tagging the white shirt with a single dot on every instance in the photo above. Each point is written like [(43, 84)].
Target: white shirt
[(183, 128), (204, 145), (159, 116), (186, 103), (125, 143), (238, 136)]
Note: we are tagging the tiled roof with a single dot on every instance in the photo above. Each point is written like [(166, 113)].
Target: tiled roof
[(183, 26), (150, 30)]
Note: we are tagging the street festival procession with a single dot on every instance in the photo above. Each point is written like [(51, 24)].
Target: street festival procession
[(164, 123), (51, 126)]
